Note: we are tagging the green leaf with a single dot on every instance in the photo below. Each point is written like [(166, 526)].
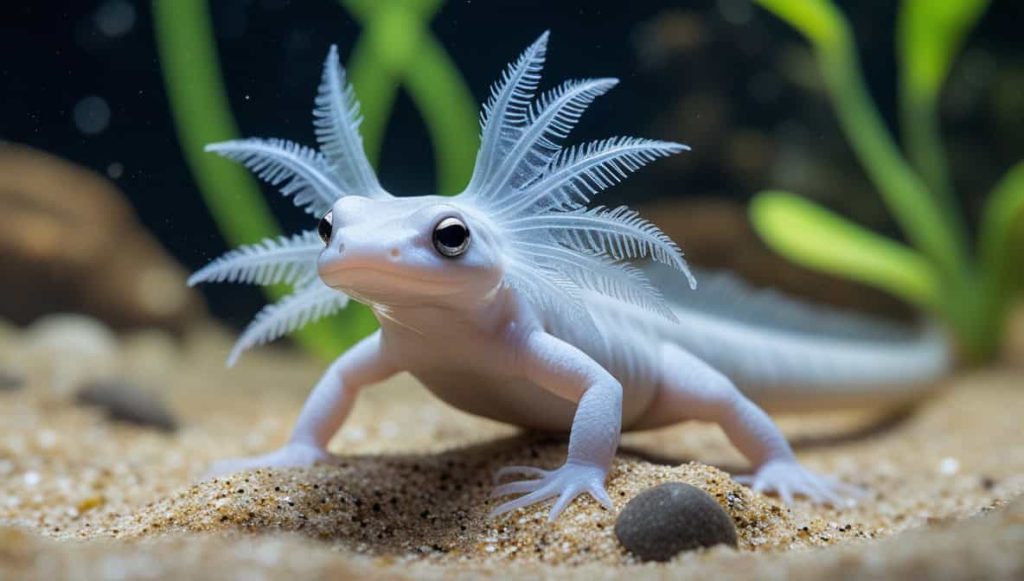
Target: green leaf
[(930, 33), (1001, 242), (819, 20), (810, 235)]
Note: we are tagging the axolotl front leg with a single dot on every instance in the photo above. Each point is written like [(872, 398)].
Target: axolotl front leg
[(324, 411), (569, 373), (544, 360)]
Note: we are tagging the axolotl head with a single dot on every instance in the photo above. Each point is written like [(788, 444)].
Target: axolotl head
[(405, 251)]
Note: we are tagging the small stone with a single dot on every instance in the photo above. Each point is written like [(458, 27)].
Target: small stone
[(68, 335), (949, 466), (74, 348), (126, 402), (662, 521), (10, 381), (90, 502)]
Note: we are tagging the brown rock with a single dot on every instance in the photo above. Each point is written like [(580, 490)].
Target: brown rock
[(70, 242)]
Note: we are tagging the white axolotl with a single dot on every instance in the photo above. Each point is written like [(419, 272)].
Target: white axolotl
[(514, 301)]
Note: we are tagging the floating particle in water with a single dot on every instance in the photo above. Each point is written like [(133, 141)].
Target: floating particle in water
[(115, 170), (91, 115), (115, 18)]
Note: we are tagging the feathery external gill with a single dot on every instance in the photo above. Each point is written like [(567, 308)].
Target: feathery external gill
[(532, 191)]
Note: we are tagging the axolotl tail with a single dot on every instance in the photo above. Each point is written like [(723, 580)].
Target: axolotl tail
[(787, 354)]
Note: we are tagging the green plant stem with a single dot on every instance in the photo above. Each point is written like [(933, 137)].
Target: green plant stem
[(1001, 243), (397, 48), (391, 31), (977, 307), (930, 34), (923, 138), (442, 96), (935, 233), (977, 321), (202, 115)]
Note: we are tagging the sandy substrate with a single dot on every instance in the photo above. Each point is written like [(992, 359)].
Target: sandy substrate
[(81, 496)]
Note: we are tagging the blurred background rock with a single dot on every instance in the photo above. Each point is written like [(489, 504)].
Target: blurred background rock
[(70, 242)]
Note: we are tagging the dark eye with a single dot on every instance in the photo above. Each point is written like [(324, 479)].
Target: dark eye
[(451, 237), (325, 227)]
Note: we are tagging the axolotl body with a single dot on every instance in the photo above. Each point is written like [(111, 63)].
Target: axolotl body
[(514, 301)]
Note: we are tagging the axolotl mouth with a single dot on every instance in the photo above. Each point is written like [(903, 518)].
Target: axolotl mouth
[(366, 280), (381, 280)]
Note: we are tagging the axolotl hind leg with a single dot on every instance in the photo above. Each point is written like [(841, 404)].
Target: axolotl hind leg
[(690, 389)]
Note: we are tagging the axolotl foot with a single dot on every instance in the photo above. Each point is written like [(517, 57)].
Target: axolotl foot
[(789, 479), (562, 484), (290, 456)]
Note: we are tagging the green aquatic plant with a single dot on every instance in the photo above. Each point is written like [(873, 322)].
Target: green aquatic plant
[(969, 285), (395, 50)]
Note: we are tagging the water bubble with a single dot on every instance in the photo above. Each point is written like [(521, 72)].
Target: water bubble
[(91, 115), (115, 170), (115, 18)]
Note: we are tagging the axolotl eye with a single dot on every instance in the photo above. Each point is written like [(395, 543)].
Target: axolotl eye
[(325, 226), (451, 237)]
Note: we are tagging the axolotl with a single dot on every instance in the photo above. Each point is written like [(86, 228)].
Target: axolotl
[(517, 301)]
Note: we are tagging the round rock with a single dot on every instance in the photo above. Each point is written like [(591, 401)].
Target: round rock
[(10, 380), (124, 402), (667, 519)]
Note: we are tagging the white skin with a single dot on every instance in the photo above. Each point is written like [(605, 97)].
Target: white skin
[(470, 339)]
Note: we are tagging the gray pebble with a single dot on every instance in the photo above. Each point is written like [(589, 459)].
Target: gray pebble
[(126, 402), (10, 381), (669, 518)]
